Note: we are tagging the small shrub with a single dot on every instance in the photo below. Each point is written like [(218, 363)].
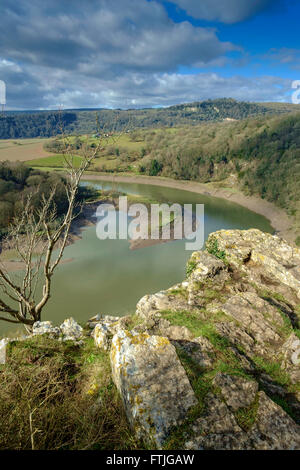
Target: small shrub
[(213, 248)]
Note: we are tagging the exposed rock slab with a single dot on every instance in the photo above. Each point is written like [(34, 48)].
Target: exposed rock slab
[(236, 391), (252, 249), (273, 428), (153, 384)]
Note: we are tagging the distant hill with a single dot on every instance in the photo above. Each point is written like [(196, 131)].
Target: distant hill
[(29, 124)]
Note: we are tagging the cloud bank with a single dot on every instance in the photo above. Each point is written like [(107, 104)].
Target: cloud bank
[(119, 53)]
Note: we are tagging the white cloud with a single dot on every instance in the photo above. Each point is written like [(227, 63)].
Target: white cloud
[(146, 90), (113, 53), (104, 37)]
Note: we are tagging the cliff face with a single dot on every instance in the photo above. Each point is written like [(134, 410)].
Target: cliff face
[(213, 363)]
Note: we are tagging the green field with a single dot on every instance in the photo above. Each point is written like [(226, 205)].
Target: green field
[(53, 161)]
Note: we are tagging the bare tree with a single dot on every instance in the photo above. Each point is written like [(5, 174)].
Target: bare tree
[(40, 240)]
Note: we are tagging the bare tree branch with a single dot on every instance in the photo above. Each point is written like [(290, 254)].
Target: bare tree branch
[(36, 234)]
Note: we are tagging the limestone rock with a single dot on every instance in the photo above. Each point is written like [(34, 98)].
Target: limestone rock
[(273, 428), (236, 391), (152, 382), (217, 429), (99, 318), (46, 327), (102, 335), (106, 327), (151, 304), (256, 316), (206, 266), (291, 357), (254, 249), (176, 333), (237, 335), (71, 330), (250, 300), (156, 325), (200, 350)]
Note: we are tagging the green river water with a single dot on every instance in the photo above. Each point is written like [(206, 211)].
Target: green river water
[(107, 277)]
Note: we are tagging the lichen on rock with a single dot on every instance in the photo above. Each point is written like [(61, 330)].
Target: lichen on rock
[(235, 319), (153, 384)]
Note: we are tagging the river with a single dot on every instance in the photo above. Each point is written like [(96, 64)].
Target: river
[(107, 277)]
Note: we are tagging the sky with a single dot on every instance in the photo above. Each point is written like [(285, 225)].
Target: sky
[(147, 53)]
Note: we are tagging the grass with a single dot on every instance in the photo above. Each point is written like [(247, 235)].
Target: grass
[(53, 161), (245, 417), (180, 292), (60, 396), (273, 369), (190, 267), (190, 320), (213, 248)]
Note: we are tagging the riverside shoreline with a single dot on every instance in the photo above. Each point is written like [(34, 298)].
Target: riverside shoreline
[(278, 218)]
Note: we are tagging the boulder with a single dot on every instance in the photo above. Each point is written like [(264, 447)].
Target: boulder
[(102, 335), (164, 300), (200, 350), (45, 327), (100, 318), (106, 327), (152, 382), (70, 330)]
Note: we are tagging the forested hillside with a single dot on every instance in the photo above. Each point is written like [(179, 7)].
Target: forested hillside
[(40, 124), (17, 182), (261, 155), (47, 124)]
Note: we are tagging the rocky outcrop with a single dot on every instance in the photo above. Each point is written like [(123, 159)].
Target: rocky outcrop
[(212, 362), (69, 330), (153, 384), (230, 332)]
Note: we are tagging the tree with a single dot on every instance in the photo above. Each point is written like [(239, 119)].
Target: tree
[(39, 239)]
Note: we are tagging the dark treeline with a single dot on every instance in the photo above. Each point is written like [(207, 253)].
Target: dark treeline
[(26, 125), (47, 124)]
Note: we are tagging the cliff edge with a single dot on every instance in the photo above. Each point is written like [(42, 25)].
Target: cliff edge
[(213, 362)]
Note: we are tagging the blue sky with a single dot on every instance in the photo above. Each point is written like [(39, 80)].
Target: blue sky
[(143, 53)]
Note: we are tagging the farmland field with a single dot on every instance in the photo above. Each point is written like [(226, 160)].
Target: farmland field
[(22, 149), (53, 161)]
